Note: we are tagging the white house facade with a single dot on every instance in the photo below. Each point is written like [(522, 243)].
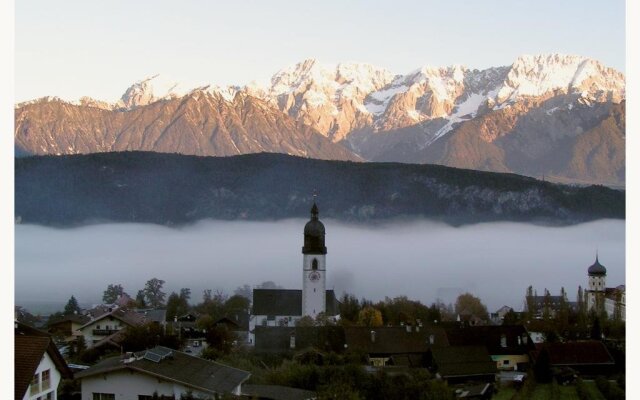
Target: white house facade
[(159, 372), (45, 381)]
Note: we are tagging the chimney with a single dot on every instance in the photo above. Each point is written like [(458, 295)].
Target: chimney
[(432, 339), (373, 336)]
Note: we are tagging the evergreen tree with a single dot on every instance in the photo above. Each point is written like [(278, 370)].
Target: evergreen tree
[(546, 308), (581, 317), (72, 306)]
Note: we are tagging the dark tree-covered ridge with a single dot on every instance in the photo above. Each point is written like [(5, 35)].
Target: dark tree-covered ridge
[(177, 189)]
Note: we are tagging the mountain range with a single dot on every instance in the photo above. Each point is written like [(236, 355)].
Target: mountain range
[(561, 117), (172, 189)]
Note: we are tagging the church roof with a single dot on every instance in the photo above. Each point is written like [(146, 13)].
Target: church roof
[(597, 268), (287, 302)]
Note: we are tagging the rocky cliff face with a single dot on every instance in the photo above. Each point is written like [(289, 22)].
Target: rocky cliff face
[(553, 115), (200, 123)]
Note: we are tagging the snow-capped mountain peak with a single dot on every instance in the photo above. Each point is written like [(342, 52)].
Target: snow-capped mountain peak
[(539, 75), (151, 89)]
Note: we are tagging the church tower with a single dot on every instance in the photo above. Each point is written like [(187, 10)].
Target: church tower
[(314, 273), (597, 286)]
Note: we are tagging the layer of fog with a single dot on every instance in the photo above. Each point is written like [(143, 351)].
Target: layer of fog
[(422, 260)]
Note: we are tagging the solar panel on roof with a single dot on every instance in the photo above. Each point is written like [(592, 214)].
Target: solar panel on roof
[(162, 351), (152, 357)]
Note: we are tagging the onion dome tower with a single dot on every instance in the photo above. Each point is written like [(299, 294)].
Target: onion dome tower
[(314, 253), (597, 285)]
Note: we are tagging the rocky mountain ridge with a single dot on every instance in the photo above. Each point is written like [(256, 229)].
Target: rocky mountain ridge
[(513, 118)]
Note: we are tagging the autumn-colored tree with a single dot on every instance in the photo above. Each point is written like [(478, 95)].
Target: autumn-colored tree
[(472, 304), (153, 292), (112, 293), (370, 317)]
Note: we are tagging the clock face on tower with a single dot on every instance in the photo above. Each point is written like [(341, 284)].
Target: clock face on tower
[(314, 276)]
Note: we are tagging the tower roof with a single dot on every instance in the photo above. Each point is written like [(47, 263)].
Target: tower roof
[(597, 269), (314, 234), (314, 227)]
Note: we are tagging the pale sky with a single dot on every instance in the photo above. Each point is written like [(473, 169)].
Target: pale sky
[(76, 48)]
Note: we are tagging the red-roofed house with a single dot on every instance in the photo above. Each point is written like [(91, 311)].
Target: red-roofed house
[(38, 365)]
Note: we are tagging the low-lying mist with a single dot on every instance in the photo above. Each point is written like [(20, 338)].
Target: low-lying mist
[(422, 260)]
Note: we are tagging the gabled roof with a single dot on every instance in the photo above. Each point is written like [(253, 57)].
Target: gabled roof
[(458, 361), (115, 339), (287, 302), (588, 352), (394, 340), (179, 367), (75, 318), (276, 392), (491, 338), (277, 302), (155, 315), (30, 347), (278, 339), (128, 317)]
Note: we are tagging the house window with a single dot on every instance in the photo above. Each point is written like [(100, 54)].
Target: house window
[(104, 396), (46, 379), (505, 362), (35, 384), (314, 264)]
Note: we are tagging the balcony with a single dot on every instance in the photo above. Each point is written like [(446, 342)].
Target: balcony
[(34, 388), (104, 332)]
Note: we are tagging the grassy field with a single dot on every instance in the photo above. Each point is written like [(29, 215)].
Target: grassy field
[(505, 393), (568, 393), (593, 390), (541, 392)]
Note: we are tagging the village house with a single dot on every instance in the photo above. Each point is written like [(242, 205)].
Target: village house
[(109, 327), (159, 371), (406, 346), (457, 364), (508, 345), (276, 392), (66, 326), (498, 316), (39, 367), (588, 357)]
